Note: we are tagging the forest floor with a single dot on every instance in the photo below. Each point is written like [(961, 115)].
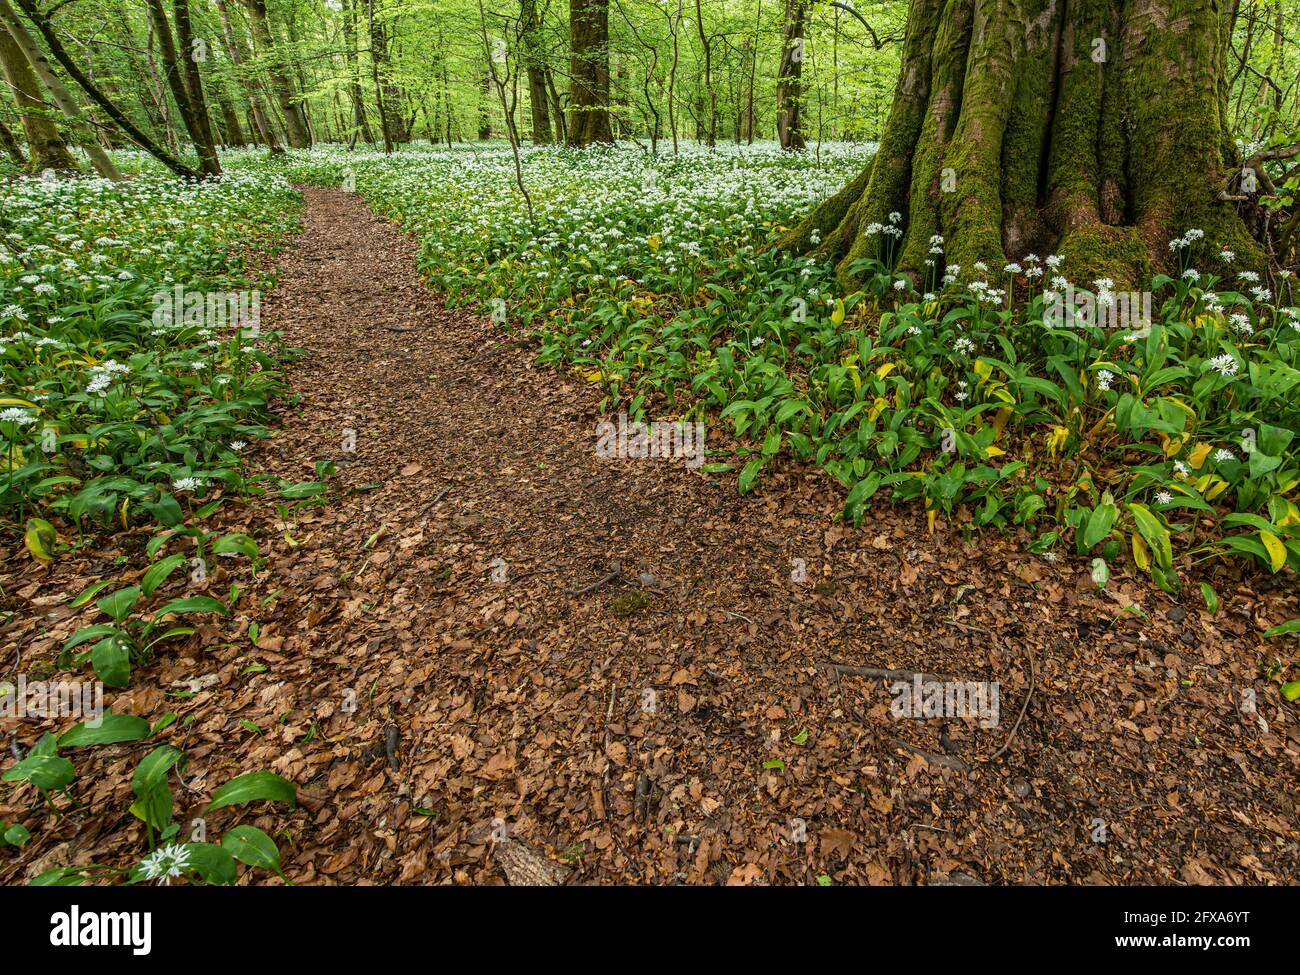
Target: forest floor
[(611, 663)]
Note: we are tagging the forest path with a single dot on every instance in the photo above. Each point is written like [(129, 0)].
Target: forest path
[(669, 723)]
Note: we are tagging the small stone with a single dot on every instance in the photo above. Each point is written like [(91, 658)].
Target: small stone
[(1178, 614)]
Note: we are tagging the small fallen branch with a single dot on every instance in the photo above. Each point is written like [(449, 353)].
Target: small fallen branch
[(880, 673), (1024, 706), (947, 761), (615, 572)]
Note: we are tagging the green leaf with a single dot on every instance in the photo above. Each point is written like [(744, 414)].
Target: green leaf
[(254, 787), (118, 605), (112, 728), (748, 474), (1099, 525), (1290, 626), (212, 863), (153, 803), (192, 604), (88, 593), (249, 845), (47, 772), (1211, 597), (17, 835), (159, 572), (112, 662), (1291, 691), (88, 633), (59, 877), (236, 545)]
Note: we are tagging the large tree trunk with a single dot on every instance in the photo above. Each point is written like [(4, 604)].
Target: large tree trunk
[(205, 142), (59, 94), (589, 72), (55, 46), (193, 114), (789, 77), (11, 147), (1095, 129), (46, 145), (295, 121)]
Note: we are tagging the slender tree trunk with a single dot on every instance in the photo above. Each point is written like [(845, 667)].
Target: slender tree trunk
[(484, 109), (385, 127), (360, 122), (789, 77), (537, 97), (234, 131), (394, 128), (252, 84), (1093, 129), (59, 94), (295, 122), (589, 72), (46, 145), (557, 108), (711, 133), (196, 123)]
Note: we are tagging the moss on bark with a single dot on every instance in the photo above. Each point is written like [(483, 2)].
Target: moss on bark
[(1093, 128)]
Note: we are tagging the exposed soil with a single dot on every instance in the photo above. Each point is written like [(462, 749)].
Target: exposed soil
[(674, 720)]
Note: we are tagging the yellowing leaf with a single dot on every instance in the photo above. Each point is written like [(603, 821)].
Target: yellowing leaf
[(1276, 550), (885, 369), (1198, 455), (1055, 440), (40, 539), (1217, 486), (1141, 554)]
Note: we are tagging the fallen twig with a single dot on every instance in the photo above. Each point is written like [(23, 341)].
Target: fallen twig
[(882, 673), (438, 497), (1024, 706), (615, 572), (947, 761)]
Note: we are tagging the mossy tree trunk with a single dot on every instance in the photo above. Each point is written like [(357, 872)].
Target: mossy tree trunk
[(46, 145), (1096, 129), (11, 147), (589, 73)]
